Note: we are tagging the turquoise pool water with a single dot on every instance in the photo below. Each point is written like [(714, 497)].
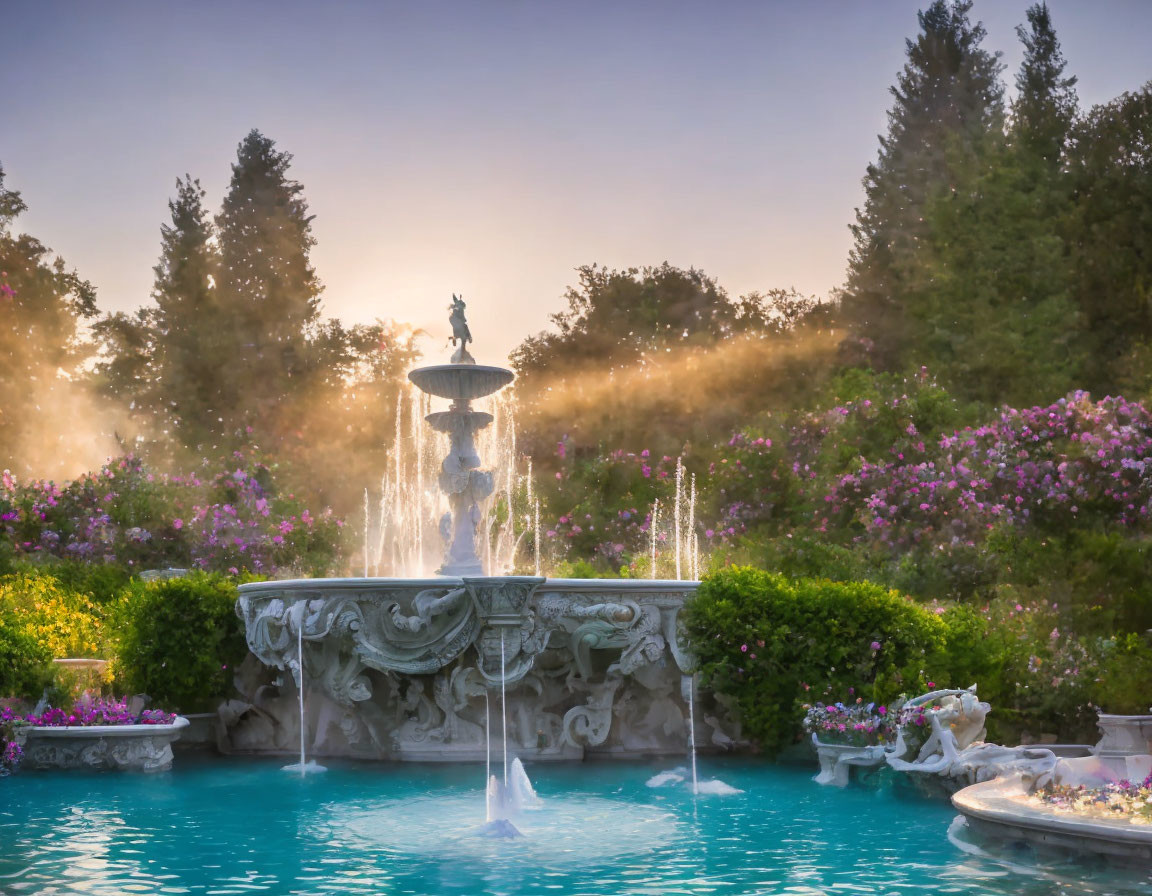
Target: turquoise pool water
[(244, 826)]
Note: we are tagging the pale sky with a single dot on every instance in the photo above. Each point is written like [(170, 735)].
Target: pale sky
[(486, 148)]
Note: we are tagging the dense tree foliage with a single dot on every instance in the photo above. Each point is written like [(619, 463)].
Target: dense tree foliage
[(661, 356), (1108, 238), (42, 308)]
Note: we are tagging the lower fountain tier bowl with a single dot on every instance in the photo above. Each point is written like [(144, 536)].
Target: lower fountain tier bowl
[(450, 421), (460, 382)]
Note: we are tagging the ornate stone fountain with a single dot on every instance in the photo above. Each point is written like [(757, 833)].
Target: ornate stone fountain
[(407, 668)]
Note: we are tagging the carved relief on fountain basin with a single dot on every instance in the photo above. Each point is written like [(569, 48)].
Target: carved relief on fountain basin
[(412, 669)]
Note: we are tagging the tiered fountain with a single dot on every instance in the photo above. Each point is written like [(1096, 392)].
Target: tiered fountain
[(402, 668)]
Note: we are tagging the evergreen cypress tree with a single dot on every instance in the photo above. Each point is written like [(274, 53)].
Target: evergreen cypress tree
[(948, 103), (993, 302), (266, 289), (192, 370), (1046, 104)]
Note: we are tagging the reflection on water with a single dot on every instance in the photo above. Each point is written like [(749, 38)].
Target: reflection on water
[(242, 827)]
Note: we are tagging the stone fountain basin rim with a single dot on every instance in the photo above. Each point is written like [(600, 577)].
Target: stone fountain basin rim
[(611, 586), (71, 731), (991, 803)]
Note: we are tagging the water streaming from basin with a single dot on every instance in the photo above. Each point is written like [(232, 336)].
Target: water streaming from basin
[(304, 767)]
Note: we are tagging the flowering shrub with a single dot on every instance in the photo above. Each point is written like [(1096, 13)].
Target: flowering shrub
[(1121, 799), (1051, 467), (857, 724), (607, 510), (125, 514), (10, 756), (10, 751)]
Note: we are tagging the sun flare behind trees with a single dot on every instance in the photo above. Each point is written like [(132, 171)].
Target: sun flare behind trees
[(235, 354)]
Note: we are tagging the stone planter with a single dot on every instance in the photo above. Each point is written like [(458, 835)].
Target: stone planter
[(838, 760), (1123, 736), (145, 748)]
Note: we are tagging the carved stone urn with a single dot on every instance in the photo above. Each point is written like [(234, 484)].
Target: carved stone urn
[(1123, 736)]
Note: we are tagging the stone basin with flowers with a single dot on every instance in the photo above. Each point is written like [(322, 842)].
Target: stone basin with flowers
[(96, 734)]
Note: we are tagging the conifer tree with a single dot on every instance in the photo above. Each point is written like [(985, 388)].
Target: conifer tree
[(192, 369), (266, 288), (992, 296), (1045, 104), (948, 103), (1109, 238)]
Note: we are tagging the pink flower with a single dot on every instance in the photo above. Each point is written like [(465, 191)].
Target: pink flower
[(177, 523), (743, 648)]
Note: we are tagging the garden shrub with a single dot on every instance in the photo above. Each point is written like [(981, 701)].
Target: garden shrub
[(1124, 684), (179, 641), (773, 643), (24, 669), (65, 623)]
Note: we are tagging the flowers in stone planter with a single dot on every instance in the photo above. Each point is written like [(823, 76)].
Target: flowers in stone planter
[(856, 724), (91, 711), (915, 723), (1120, 799)]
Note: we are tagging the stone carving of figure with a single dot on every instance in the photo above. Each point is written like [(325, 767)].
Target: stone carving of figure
[(460, 333)]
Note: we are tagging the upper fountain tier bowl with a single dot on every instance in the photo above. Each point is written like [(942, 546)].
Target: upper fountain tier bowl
[(460, 382)]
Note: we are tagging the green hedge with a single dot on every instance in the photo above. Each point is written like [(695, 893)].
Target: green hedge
[(774, 643), (179, 641)]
